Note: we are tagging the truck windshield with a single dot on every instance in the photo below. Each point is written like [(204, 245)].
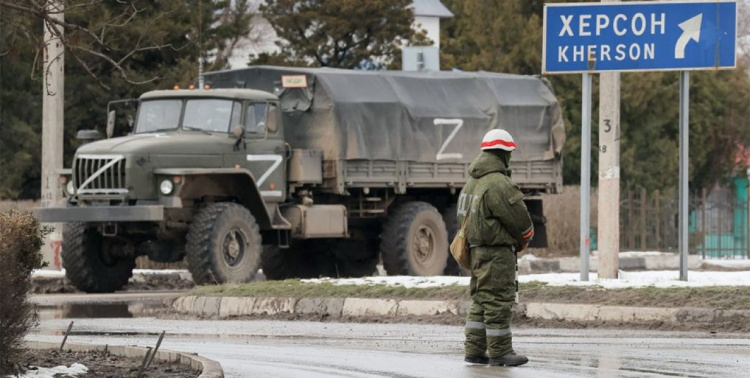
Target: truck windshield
[(158, 115), (208, 115), (212, 115)]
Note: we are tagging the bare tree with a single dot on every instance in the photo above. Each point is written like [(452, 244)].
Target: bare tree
[(82, 40)]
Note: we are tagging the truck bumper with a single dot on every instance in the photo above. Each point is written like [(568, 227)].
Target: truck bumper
[(100, 214)]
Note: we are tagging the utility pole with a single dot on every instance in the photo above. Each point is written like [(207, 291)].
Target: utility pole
[(52, 120), (608, 219)]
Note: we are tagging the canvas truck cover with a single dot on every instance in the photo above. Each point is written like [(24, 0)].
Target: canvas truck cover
[(407, 116)]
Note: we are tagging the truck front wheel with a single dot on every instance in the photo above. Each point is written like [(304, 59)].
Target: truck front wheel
[(414, 241), (223, 245), (92, 262)]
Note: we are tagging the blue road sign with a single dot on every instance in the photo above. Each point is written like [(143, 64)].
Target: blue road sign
[(639, 36)]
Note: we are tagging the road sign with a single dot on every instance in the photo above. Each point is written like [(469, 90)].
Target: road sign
[(639, 36)]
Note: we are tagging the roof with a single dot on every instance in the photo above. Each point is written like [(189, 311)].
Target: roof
[(431, 8), (233, 93), (412, 116)]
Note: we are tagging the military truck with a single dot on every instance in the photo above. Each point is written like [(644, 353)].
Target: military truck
[(302, 172)]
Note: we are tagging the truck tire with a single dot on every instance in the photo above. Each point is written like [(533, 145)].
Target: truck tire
[(223, 245), (414, 241), (88, 264), (450, 216)]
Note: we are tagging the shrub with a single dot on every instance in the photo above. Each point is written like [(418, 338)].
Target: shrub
[(21, 237)]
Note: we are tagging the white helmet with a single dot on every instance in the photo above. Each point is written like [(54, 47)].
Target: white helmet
[(498, 139)]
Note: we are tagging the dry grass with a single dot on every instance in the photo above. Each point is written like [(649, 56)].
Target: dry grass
[(21, 238), (563, 212)]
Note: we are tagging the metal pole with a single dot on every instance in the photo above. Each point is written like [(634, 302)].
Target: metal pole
[(585, 173), (684, 138)]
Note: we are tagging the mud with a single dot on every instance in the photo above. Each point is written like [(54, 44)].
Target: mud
[(105, 365)]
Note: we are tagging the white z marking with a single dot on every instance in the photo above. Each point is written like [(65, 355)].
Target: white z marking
[(458, 123), (276, 159)]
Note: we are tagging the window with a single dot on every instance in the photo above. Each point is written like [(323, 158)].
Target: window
[(255, 118), (158, 115), (208, 115)]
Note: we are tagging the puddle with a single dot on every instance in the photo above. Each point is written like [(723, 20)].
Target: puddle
[(99, 310)]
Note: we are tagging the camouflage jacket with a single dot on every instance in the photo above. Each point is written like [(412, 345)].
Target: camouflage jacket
[(498, 213)]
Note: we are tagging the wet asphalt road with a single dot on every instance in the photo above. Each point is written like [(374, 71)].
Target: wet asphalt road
[(315, 349)]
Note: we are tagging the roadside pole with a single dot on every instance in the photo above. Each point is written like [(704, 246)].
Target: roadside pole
[(684, 170), (608, 219), (608, 210), (585, 172), (52, 124)]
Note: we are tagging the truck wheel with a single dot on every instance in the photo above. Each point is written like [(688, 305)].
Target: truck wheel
[(450, 216), (89, 262), (223, 245), (414, 241)]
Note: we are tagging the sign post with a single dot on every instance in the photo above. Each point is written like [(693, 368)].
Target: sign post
[(680, 36), (585, 173)]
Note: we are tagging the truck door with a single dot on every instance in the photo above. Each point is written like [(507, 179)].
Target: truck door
[(265, 155)]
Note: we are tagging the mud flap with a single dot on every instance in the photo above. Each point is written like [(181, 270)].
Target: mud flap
[(536, 210)]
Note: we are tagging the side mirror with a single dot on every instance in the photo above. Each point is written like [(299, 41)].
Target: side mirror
[(131, 121), (110, 124), (238, 131), (88, 136)]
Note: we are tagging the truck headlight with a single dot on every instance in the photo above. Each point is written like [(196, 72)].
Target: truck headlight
[(166, 187), (70, 188)]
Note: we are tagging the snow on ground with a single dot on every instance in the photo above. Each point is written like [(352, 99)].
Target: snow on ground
[(41, 372), (733, 263), (660, 279), (48, 273)]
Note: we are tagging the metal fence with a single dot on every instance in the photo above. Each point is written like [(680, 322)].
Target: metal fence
[(719, 226)]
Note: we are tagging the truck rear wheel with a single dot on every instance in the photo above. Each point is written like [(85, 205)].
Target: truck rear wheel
[(223, 245), (450, 216), (414, 241), (90, 261)]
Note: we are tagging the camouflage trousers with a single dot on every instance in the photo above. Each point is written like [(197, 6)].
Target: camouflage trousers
[(493, 293)]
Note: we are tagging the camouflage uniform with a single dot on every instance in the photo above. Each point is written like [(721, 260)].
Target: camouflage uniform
[(498, 227)]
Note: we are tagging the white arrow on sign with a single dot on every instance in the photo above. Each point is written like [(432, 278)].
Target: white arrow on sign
[(691, 29)]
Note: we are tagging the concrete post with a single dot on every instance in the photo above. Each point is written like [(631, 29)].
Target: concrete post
[(52, 127), (608, 219)]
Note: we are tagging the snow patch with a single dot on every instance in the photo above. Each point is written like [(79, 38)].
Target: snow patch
[(48, 273), (661, 279), (42, 372)]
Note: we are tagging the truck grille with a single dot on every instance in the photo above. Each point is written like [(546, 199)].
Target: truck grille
[(99, 174)]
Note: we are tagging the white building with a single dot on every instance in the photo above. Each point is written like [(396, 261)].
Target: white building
[(427, 16)]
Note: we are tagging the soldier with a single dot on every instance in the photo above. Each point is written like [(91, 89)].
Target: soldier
[(498, 227)]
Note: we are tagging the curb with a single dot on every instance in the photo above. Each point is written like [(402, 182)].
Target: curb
[(209, 368), (559, 311), (573, 264), (332, 307), (224, 307)]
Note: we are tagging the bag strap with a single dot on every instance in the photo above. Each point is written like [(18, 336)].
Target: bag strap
[(468, 213)]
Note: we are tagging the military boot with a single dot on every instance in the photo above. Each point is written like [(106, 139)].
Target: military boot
[(509, 359), (482, 360)]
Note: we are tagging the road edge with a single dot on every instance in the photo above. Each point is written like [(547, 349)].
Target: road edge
[(209, 368), (227, 307)]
